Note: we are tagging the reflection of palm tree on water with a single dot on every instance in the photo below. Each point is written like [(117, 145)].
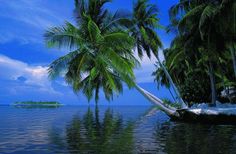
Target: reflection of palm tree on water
[(98, 132), (91, 134)]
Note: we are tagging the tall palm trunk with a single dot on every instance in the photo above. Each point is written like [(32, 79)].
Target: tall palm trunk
[(173, 97), (211, 70), (183, 104), (233, 54), (213, 87), (228, 94)]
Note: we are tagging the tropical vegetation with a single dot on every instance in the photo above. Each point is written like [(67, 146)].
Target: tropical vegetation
[(201, 58), (36, 103), (199, 64)]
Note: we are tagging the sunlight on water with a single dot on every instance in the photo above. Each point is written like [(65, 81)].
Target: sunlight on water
[(107, 130)]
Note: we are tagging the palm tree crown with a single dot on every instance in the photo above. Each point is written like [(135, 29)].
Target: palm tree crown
[(143, 28), (101, 54)]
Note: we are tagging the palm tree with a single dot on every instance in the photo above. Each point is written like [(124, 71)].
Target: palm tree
[(142, 26), (197, 20), (101, 54), (222, 12), (210, 15)]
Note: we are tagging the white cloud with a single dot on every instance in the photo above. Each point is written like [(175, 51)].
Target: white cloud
[(35, 76), (144, 73)]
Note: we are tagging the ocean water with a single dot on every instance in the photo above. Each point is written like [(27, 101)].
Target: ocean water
[(105, 130)]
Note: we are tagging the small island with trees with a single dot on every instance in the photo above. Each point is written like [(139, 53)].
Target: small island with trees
[(40, 104)]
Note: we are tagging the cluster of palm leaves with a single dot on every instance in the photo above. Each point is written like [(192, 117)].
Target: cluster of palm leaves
[(202, 58), (102, 46)]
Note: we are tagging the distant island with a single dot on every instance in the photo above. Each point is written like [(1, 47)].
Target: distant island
[(37, 104)]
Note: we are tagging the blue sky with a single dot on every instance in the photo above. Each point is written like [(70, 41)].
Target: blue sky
[(24, 58)]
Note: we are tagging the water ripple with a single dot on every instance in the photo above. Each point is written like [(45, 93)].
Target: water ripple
[(107, 130)]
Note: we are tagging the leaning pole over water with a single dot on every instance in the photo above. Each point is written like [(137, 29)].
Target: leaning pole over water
[(167, 109), (183, 104), (188, 115)]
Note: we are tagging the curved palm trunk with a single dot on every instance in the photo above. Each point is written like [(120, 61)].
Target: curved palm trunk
[(183, 104), (168, 110)]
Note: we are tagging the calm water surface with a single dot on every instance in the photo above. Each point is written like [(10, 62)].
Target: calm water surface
[(116, 130)]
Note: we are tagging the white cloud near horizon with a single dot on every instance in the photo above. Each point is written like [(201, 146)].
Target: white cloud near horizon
[(33, 76), (22, 81), (36, 77)]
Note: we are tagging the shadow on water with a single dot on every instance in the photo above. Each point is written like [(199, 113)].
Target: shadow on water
[(95, 133), (181, 138)]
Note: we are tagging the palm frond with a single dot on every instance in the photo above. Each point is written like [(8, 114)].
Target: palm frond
[(190, 16), (94, 31), (60, 65), (63, 37), (207, 15)]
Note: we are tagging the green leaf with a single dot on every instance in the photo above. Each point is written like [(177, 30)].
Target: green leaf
[(189, 16), (94, 31), (207, 15), (63, 37)]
